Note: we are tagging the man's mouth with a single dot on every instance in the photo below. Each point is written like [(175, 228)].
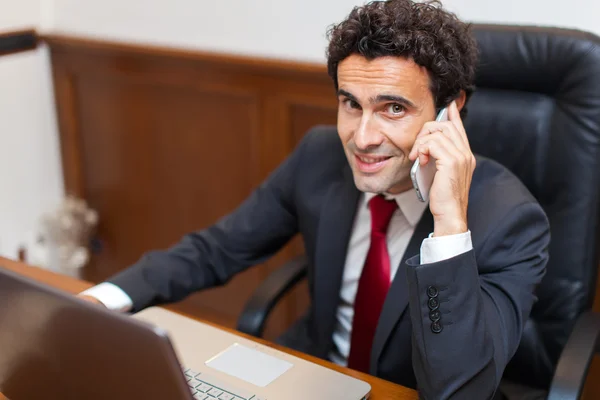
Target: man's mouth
[(370, 164)]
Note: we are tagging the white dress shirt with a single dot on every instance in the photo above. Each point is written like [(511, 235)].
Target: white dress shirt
[(400, 230)]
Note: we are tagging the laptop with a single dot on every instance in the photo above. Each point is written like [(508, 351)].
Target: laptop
[(56, 346)]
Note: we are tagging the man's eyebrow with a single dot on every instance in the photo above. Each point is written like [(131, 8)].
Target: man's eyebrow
[(393, 98), (379, 99), (342, 92)]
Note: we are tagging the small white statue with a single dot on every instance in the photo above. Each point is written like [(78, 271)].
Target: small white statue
[(63, 236)]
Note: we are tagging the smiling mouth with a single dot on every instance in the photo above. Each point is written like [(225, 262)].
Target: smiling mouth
[(370, 164)]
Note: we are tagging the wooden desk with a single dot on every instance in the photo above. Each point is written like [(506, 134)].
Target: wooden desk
[(380, 389)]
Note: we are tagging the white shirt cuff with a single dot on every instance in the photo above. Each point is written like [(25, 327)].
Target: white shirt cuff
[(112, 296), (436, 249)]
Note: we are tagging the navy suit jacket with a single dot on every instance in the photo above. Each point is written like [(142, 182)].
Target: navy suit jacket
[(484, 295)]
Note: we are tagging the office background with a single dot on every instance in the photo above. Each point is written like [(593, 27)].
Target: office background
[(29, 146), (175, 102)]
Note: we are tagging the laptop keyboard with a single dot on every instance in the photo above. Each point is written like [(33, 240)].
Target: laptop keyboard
[(204, 387)]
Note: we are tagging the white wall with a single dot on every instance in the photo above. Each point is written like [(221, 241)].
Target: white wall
[(579, 14), (292, 29), (30, 172), (279, 28)]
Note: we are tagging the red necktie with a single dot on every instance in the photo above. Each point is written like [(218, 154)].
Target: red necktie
[(373, 285)]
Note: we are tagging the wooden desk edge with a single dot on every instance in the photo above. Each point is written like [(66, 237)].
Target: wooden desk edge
[(381, 389)]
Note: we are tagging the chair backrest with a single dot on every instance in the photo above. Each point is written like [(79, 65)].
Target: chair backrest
[(536, 110)]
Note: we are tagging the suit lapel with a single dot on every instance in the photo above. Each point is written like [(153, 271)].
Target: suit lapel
[(335, 226), (396, 301)]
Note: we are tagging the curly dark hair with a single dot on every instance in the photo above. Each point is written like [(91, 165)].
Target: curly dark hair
[(432, 37)]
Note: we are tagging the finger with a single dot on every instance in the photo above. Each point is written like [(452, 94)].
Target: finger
[(446, 149), (450, 132), (453, 128), (428, 129), (434, 149), (423, 158), (454, 117), (447, 144), (414, 151), (447, 129), (421, 138)]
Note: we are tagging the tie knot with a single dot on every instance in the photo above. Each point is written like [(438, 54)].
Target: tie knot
[(381, 213)]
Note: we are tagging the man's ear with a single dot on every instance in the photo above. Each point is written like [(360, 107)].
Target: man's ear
[(461, 100)]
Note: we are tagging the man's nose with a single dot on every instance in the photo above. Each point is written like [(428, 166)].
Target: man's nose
[(367, 135)]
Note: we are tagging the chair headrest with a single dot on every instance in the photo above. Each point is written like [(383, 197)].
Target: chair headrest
[(536, 110)]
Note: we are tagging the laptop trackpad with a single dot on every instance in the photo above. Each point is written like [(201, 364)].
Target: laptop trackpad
[(248, 364)]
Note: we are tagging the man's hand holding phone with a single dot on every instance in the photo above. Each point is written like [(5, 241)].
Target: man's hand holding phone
[(447, 143)]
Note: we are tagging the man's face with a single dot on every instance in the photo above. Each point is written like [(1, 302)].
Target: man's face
[(383, 104)]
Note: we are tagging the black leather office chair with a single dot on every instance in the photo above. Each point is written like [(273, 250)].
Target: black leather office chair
[(536, 111)]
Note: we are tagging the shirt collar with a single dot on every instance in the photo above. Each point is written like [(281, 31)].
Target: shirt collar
[(407, 201)]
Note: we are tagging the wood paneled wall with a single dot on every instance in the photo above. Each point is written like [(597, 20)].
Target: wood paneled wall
[(163, 142)]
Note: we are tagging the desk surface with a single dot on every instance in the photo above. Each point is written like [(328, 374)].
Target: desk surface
[(380, 389)]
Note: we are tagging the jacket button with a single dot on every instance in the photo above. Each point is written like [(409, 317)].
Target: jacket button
[(435, 316), (436, 327), (432, 291), (433, 304)]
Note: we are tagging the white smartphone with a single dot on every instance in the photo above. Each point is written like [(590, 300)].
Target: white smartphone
[(422, 177)]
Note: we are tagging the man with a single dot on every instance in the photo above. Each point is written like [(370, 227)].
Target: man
[(429, 295)]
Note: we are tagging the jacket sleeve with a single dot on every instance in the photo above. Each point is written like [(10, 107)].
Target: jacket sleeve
[(252, 233), (468, 312)]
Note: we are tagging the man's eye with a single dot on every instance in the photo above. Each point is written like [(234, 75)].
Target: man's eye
[(395, 109), (352, 104)]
